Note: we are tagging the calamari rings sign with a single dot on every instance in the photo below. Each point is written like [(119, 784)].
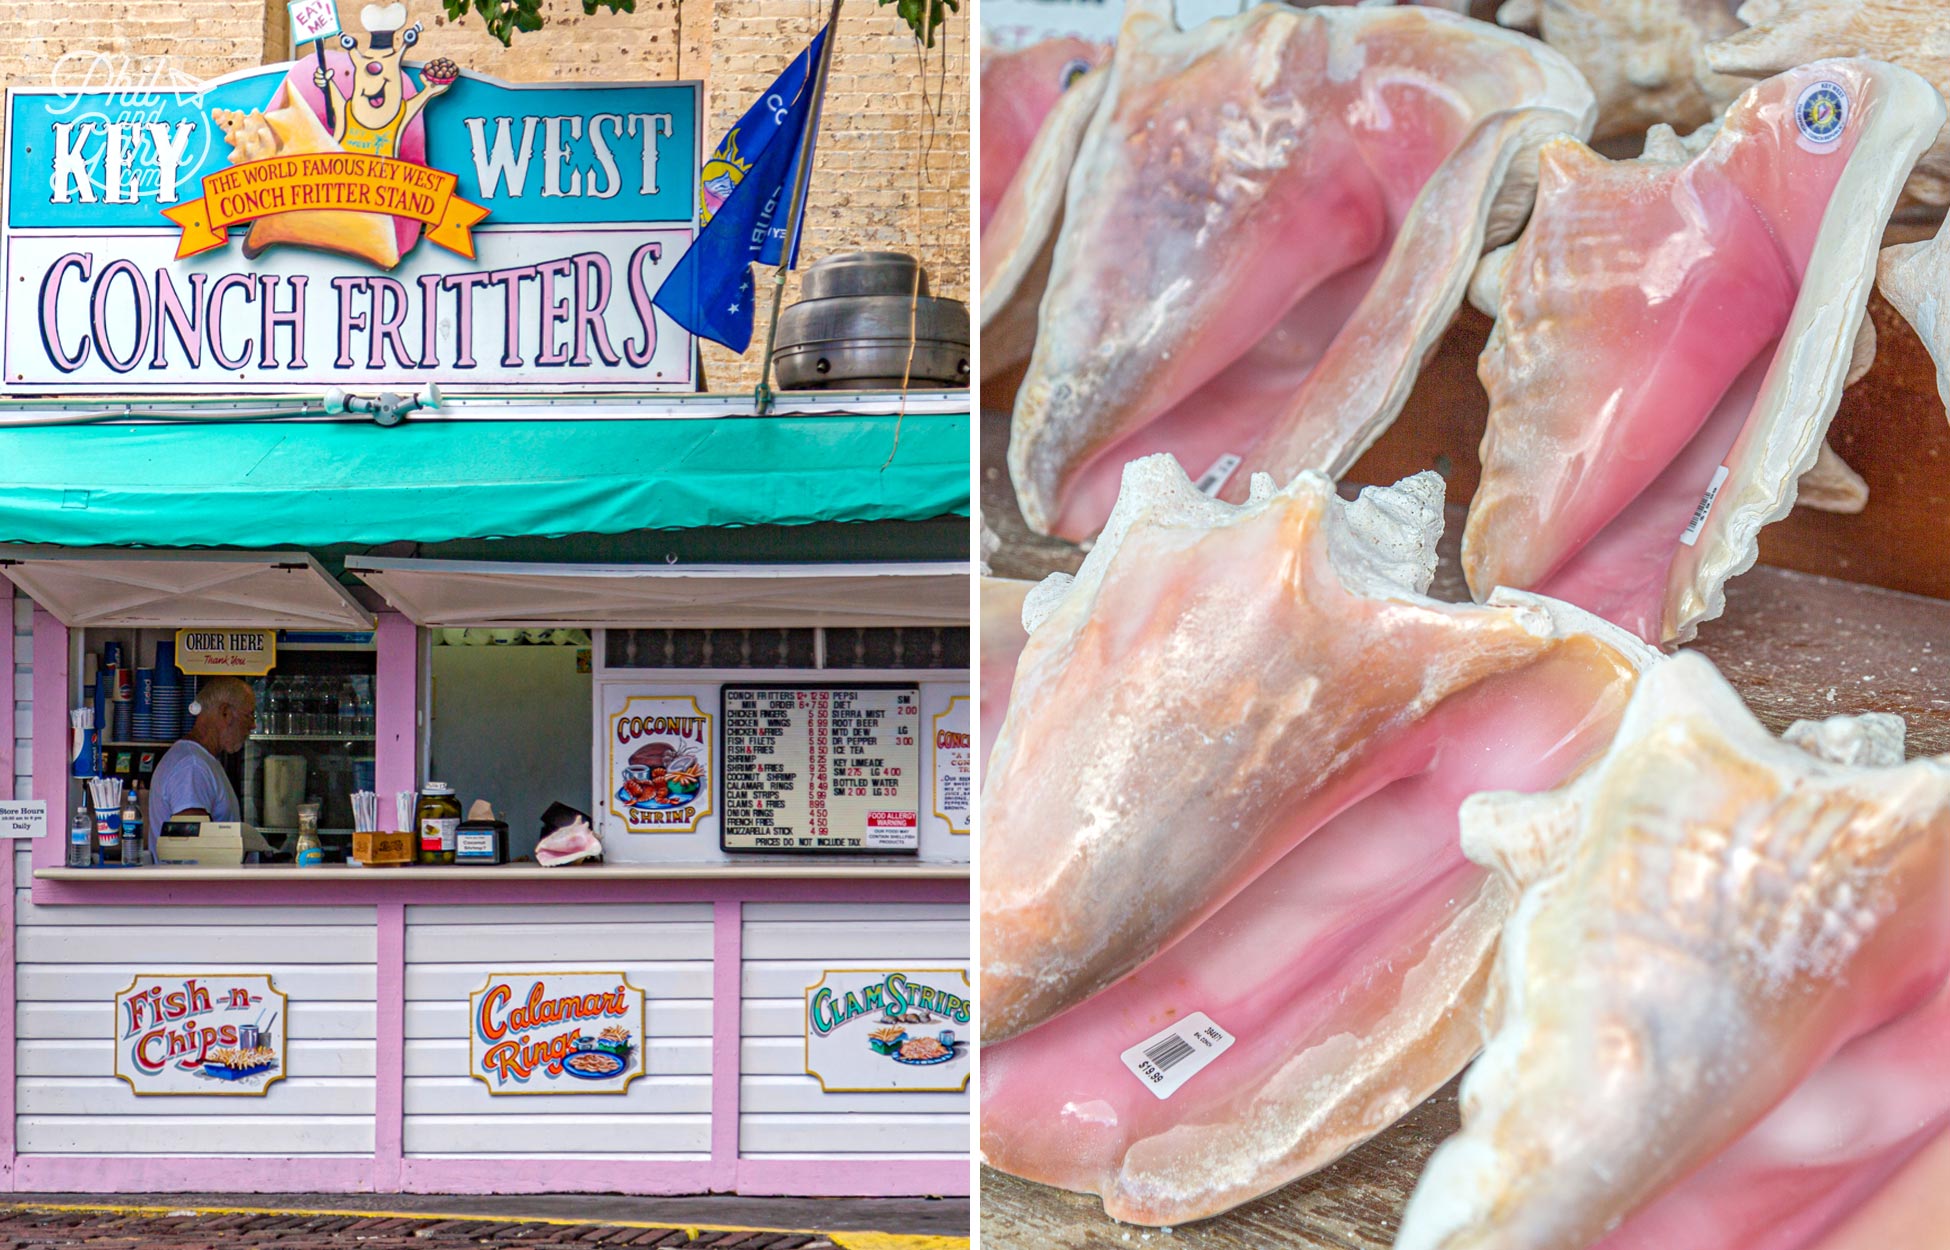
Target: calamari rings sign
[(375, 223), (339, 183), (556, 1033)]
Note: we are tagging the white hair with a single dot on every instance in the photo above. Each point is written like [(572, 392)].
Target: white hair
[(222, 692)]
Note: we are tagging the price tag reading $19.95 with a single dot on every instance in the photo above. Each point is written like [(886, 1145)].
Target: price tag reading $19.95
[(1166, 1060)]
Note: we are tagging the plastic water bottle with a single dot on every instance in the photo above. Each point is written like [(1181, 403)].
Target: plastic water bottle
[(132, 835), (348, 709), (81, 835)]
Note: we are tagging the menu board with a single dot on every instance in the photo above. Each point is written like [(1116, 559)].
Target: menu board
[(821, 768)]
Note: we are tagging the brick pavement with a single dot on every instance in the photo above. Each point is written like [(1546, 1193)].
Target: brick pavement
[(30, 1228)]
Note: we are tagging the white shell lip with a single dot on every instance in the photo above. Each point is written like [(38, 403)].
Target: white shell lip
[(1818, 342)]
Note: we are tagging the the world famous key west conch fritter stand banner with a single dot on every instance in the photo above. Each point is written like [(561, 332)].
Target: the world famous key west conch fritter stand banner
[(376, 220)]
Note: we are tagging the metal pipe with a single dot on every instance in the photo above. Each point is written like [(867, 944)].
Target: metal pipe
[(794, 209)]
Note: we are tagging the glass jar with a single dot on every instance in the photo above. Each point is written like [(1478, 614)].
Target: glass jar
[(438, 822)]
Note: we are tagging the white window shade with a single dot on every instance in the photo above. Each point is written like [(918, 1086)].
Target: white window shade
[(172, 589), (460, 594)]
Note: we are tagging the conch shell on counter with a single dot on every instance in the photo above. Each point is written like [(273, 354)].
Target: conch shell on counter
[(1215, 684), (290, 128), (1723, 994), (1270, 220), (1914, 34), (570, 844), (1673, 335), (1019, 88), (1645, 59)]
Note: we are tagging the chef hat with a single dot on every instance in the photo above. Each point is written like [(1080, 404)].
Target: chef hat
[(382, 22), (383, 17)]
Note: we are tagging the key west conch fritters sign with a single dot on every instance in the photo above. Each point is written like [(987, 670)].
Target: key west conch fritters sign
[(375, 220)]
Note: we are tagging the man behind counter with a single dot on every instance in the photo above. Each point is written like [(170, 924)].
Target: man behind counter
[(189, 781)]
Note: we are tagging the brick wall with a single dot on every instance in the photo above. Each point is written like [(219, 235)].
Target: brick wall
[(204, 38), (871, 187)]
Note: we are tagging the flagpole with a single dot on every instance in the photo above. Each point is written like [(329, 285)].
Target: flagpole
[(763, 397)]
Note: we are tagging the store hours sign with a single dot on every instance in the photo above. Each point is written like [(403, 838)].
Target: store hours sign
[(254, 236)]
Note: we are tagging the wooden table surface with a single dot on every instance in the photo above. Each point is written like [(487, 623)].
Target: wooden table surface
[(1794, 644)]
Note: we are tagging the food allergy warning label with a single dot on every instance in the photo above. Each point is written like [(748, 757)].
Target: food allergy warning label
[(1164, 1061), (822, 768)]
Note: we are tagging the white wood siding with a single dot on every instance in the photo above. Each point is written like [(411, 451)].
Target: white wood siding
[(663, 948), (782, 1113), (71, 961)]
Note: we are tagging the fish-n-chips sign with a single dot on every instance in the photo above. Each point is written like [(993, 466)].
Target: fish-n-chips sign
[(291, 228)]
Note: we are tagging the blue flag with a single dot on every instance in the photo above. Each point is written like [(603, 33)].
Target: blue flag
[(745, 186)]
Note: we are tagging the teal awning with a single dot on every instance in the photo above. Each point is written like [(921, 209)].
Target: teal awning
[(338, 484)]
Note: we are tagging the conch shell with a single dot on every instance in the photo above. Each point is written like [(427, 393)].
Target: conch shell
[(290, 128), (1002, 641), (1216, 683), (1018, 240), (1645, 59), (1019, 88), (1915, 278), (1351, 971), (1673, 335), (1723, 994), (1914, 34), (1269, 221)]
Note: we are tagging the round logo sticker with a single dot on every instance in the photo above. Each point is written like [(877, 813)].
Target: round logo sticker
[(1821, 111)]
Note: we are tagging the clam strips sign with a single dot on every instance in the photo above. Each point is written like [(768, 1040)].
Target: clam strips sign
[(230, 238), (886, 1030)]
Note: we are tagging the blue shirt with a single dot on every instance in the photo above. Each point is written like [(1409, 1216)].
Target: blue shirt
[(190, 777)]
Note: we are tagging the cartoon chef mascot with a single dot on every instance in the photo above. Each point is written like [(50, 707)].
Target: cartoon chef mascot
[(372, 119)]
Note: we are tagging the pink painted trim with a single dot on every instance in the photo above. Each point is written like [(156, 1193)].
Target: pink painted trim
[(51, 732), (12, 667), (389, 1071), (154, 1174), (7, 1040), (423, 885), (396, 707), (554, 1176), (850, 1178), (727, 1001)]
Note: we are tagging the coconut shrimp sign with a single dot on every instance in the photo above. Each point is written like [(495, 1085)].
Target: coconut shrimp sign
[(377, 218), (201, 1035), (556, 1033), (660, 763)]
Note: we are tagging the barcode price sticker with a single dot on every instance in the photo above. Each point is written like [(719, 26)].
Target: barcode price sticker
[(1166, 1060)]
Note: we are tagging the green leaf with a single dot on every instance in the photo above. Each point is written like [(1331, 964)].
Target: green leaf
[(923, 17)]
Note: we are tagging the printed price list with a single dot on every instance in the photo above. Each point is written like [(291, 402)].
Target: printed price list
[(821, 768)]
